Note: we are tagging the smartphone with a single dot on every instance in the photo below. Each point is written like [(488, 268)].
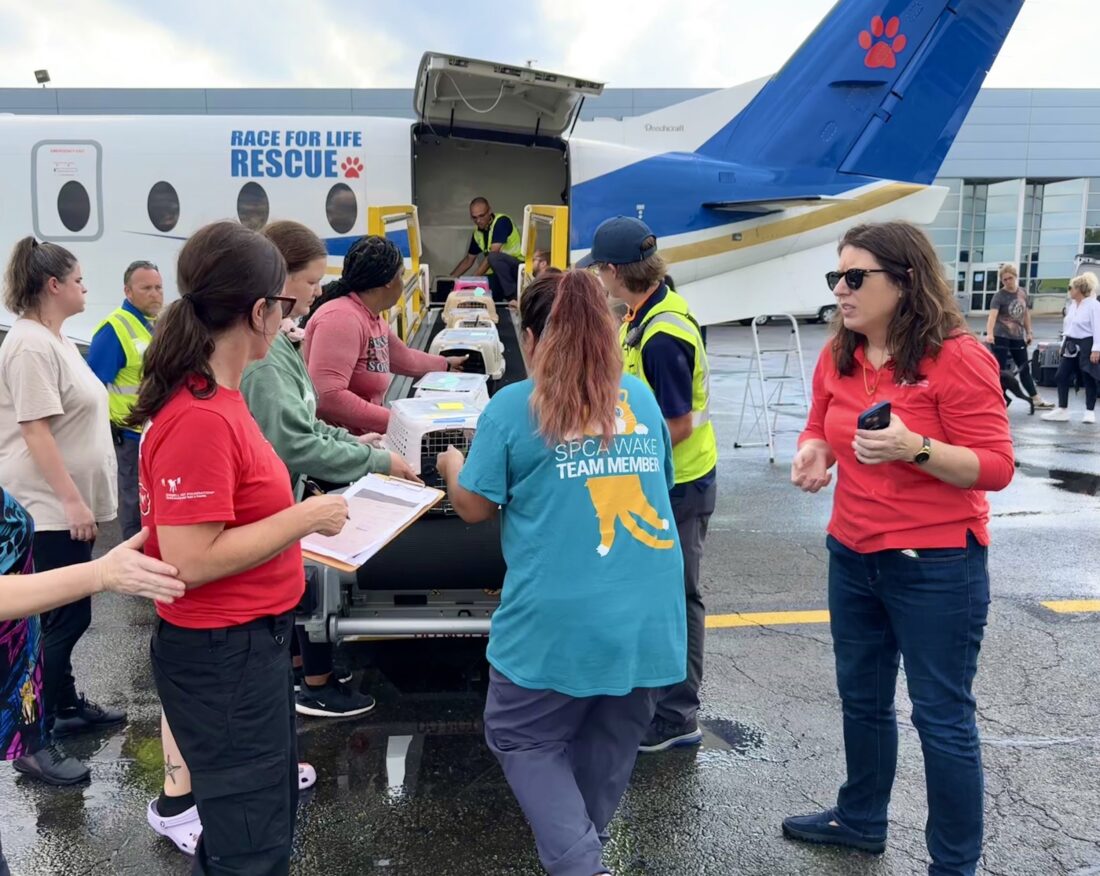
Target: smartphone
[(877, 417)]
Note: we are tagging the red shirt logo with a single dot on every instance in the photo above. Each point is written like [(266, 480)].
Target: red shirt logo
[(883, 42)]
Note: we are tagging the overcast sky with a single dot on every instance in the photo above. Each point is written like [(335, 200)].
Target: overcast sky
[(372, 44)]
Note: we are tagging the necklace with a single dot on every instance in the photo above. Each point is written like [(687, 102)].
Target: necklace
[(871, 388)]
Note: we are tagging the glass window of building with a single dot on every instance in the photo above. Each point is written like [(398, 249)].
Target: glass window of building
[(1092, 220), (1060, 233)]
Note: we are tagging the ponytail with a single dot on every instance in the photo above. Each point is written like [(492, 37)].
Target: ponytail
[(169, 364), (578, 367), (223, 270), (30, 267)]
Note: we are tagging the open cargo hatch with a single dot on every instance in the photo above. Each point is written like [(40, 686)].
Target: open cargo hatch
[(463, 93)]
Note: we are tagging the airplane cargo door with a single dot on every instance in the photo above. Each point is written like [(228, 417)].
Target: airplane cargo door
[(67, 187)]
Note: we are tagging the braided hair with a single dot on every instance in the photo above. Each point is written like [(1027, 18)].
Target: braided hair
[(371, 263)]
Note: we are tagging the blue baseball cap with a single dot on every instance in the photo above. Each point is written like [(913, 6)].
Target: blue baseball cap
[(619, 241)]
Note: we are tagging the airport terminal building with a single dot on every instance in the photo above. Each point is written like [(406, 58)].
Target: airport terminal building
[(1023, 174)]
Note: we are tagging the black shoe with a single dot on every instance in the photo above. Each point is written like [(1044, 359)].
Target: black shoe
[(332, 700), (84, 716), (52, 766), (663, 735), (825, 828), (341, 673)]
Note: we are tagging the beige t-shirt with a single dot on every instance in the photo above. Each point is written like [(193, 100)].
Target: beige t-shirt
[(44, 376)]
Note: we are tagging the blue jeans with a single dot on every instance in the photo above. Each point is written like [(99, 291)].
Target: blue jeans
[(931, 611)]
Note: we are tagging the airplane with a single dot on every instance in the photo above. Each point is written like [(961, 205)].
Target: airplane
[(748, 189)]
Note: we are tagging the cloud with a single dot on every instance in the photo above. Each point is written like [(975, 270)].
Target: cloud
[(333, 43)]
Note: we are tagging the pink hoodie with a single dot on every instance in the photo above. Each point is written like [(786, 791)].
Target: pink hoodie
[(350, 354)]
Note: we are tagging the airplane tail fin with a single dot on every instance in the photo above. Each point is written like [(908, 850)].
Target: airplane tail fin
[(879, 89)]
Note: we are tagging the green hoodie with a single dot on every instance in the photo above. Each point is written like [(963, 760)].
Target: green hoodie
[(281, 397)]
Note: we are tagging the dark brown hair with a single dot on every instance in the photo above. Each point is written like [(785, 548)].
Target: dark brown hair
[(298, 244), (223, 270), (639, 276), (31, 265), (579, 366), (927, 314)]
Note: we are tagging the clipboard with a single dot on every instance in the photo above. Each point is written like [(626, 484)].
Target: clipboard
[(427, 498)]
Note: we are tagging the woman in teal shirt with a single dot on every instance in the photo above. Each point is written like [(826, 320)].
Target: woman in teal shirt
[(591, 617)]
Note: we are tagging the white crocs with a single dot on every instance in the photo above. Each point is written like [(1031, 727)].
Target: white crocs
[(183, 829), (307, 776)]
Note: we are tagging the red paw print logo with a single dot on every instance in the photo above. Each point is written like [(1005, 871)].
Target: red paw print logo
[(353, 167), (883, 42)]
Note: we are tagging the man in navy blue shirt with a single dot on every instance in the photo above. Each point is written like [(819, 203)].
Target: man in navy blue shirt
[(498, 244), (663, 345), (116, 355)]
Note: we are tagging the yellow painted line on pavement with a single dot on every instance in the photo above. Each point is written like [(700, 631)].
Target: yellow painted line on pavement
[(1070, 606), (766, 619)]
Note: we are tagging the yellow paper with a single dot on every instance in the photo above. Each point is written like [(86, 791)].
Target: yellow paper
[(451, 406)]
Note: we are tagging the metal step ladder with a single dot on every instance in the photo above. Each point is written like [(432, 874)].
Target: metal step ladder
[(770, 387)]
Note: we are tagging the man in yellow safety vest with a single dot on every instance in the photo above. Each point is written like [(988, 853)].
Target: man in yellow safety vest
[(498, 244), (116, 355), (662, 345)]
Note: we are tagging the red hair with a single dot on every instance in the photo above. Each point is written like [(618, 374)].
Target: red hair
[(578, 366)]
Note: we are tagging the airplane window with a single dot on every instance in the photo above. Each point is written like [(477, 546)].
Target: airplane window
[(74, 206), (252, 206), (341, 208), (164, 206)]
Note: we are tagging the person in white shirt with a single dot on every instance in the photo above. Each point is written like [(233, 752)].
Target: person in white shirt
[(1080, 348)]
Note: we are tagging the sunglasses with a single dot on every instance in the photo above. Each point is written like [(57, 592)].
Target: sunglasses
[(287, 303), (853, 277)]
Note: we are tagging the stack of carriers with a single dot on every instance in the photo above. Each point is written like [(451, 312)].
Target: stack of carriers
[(482, 346), (456, 386), (422, 428)]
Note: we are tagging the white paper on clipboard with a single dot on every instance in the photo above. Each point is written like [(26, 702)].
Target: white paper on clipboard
[(379, 508)]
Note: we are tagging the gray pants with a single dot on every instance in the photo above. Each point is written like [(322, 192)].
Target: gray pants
[(568, 761), (504, 281), (692, 508), (129, 513)]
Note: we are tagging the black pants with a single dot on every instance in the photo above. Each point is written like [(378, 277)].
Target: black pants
[(692, 508), (1016, 350), (504, 281), (316, 656), (1073, 367), (62, 627), (228, 697)]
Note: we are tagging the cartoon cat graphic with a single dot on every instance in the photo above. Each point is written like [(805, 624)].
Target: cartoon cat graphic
[(621, 498), (625, 421)]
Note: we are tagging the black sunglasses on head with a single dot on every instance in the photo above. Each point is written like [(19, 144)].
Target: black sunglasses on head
[(853, 277), (287, 303)]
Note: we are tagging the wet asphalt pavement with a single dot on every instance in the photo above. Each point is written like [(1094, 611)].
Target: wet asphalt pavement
[(771, 714)]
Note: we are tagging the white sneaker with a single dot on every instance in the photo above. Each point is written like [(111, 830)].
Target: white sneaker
[(1058, 415), (1089, 417)]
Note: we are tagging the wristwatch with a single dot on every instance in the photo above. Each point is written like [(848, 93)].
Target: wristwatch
[(925, 452)]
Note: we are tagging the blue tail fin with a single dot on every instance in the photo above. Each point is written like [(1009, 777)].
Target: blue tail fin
[(879, 89)]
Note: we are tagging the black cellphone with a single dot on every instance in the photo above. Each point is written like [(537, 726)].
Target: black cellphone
[(877, 417)]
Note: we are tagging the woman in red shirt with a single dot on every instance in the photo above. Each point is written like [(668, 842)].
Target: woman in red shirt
[(349, 348), (908, 536), (218, 501)]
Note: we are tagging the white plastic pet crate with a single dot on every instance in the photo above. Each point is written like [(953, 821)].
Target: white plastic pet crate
[(464, 302), (454, 385), (482, 345), (422, 428)]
